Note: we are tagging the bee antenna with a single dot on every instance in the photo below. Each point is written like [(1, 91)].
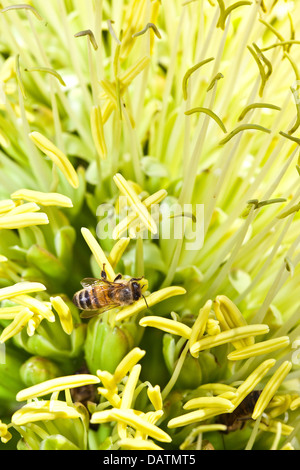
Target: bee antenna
[(145, 300)]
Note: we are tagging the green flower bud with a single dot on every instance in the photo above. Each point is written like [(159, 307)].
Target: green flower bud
[(191, 373), (49, 340), (105, 346), (99, 436), (57, 442), (38, 369), (47, 263), (10, 380), (64, 241)]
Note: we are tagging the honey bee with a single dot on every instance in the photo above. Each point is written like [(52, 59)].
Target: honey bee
[(237, 419), (100, 295)]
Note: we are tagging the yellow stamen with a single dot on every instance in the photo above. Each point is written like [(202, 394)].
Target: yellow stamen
[(64, 313), (130, 385), (257, 349), (56, 385), (98, 132), (152, 299), (6, 205), (138, 444), (252, 380), (155, 397), (155, 198), (33, 323), (36, 306), (23, 220), (170, 326), (217, 388), (98, 253), (117, 251), (127, 77), (16, 325), (208, 402), (108, 380), (20, 288), (195, 416), (201, 429), (113, 398), (212, 327), (9, 313), (230, 317), (135, 202), (127, 395), (45, 199), (127, 363), (23, 208), (272, 426), (40, 411), (295, 404), (270, 388), (199, 326), (132, 419), (229, 336), (5, 435), (57, 156)]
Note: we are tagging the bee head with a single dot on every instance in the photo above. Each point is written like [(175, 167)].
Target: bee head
[(136, 290)]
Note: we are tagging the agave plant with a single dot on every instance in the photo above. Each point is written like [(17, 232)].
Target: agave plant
[(156, 141)]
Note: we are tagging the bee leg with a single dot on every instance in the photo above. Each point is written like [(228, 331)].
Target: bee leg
[(103, 272), (119, 276), (137, 278)]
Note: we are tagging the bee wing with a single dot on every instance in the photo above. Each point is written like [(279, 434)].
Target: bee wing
[(89, 281), (93, 313)]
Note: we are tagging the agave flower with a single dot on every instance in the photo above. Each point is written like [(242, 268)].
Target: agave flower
[(159, 141)]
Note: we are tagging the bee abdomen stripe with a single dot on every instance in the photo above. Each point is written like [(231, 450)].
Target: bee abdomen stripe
[(96, 302), (81, 299)]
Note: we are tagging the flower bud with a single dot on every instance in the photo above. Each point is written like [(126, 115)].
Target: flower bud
[(38, 369), (10, 380), (105, 346)]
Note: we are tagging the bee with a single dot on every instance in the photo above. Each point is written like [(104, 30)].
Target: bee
[(100, 295), (237, 419)]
